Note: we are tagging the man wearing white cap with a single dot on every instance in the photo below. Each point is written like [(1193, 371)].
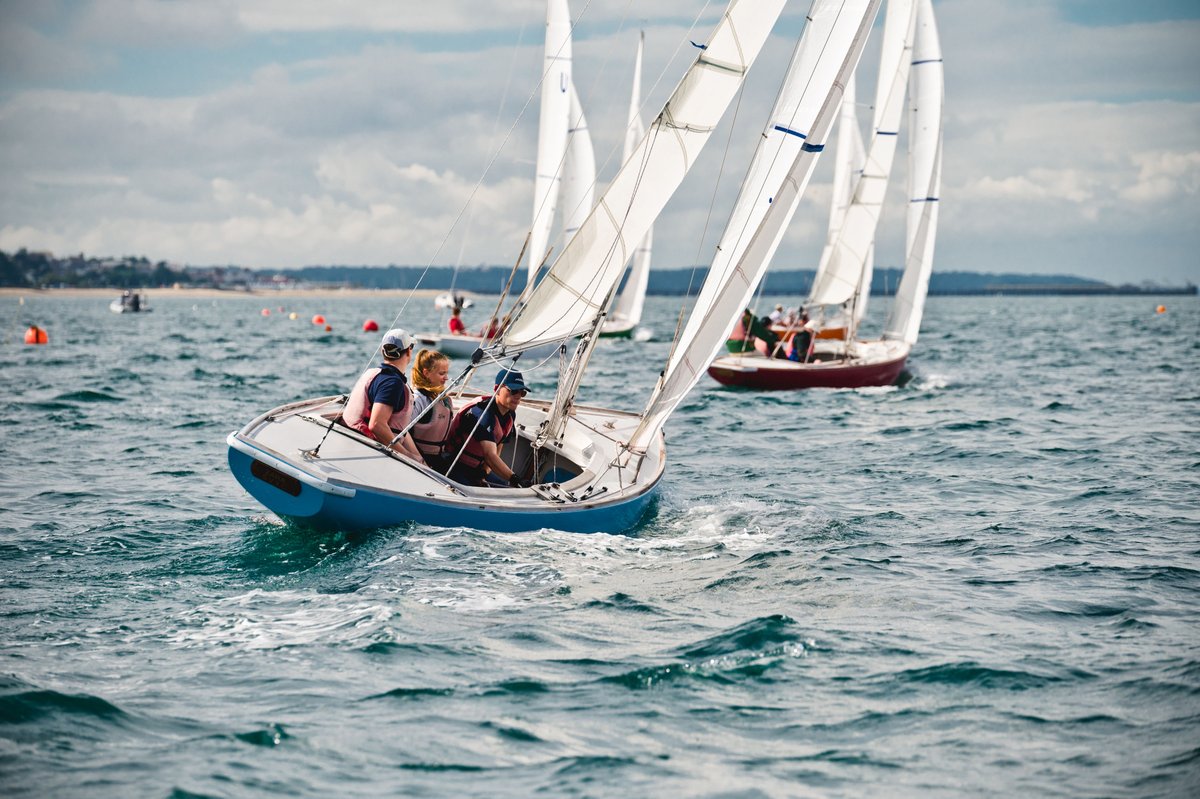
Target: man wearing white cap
[(380, 403)]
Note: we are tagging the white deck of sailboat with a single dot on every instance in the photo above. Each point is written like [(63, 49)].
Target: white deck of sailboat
[(590, 444)]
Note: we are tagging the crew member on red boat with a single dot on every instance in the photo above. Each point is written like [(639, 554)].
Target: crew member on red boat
[(491, 330), (481, 428), (457, 327), (800, 346)]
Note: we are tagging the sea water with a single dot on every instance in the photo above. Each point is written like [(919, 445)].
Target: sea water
[(985, 582)]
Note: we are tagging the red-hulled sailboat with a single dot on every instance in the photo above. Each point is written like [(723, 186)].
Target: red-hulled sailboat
[(911, 55)]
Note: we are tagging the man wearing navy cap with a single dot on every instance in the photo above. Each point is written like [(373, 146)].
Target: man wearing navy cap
[(484, 427)]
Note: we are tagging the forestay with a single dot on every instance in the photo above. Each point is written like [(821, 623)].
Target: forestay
[(578, 286), (794, 137), (926, 89), (851, 259)]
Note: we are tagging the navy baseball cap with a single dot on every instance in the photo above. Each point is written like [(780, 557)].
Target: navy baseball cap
[(511, 379)]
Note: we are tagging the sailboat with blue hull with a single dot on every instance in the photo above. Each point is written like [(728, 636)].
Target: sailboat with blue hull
[(583, 468)]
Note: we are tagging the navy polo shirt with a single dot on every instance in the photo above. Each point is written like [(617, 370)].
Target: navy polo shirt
[(388, 388)]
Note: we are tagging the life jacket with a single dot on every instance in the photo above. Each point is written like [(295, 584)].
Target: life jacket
[(430, 433), (357, 413), (463, 427)]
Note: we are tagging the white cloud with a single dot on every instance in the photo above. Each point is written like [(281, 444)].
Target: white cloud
[(368, 154)]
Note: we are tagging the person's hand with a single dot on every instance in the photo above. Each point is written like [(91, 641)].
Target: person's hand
[(516, 482)]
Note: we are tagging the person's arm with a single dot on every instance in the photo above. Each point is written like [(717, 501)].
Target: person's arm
[(381, 412), (491, 456)]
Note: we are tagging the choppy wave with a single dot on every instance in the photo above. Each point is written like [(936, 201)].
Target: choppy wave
[(982, 582)]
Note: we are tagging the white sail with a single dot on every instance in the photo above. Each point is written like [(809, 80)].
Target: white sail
[(580, 284), (925, 178), (849, 155), (851, 254), (627, 308), (795, 134), (552, 130), (579, 173)]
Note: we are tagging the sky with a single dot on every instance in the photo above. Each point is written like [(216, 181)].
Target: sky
[(285, 133)]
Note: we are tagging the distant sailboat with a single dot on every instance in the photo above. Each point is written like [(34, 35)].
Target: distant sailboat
[(592, 469), (911, 40), (626, 311), (564, 149)]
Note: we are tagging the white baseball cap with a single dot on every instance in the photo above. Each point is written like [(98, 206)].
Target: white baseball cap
[(399, 338)]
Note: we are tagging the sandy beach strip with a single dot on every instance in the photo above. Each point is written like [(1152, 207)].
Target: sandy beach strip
[(211, 293)]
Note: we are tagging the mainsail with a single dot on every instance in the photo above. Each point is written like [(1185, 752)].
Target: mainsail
[(628, 306), (552, 130), (925, 178), (579, 285), (851, 257), (795, 134)]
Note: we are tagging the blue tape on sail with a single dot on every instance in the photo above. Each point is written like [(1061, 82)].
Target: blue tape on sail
[(924, 200), (927, 61), (790, 132), (812, 148), (887, 133), (701, 46)]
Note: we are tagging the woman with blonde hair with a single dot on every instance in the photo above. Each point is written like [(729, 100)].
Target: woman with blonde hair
[(432, 411)]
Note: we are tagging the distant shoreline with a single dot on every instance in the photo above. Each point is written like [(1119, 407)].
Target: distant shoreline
[(211, 293)]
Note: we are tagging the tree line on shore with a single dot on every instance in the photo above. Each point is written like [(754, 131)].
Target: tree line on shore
[(26, 269)]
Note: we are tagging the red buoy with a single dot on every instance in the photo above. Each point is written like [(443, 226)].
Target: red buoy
[(318, 320), (35, 335), (328, 328), (370, 325), (266, 311)]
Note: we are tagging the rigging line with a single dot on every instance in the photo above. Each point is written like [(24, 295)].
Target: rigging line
[(512, 67), (467, 203), (573, 123), (712, 202), (558, 170), (679, 46)]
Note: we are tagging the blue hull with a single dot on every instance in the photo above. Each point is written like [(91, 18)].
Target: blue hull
[(310, 502)]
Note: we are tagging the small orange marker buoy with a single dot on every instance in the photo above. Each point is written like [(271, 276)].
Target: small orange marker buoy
[(1161, 309), (35, 335), (370, 325), (328, 328), (318, 320), (266, 312)]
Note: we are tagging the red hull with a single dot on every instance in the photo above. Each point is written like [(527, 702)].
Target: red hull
[(778, 376)]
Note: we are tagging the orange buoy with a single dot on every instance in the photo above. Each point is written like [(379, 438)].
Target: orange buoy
[(328, 328), (370, 325), (35, 335), (1161, 309), (318, 320), (266, 311)]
